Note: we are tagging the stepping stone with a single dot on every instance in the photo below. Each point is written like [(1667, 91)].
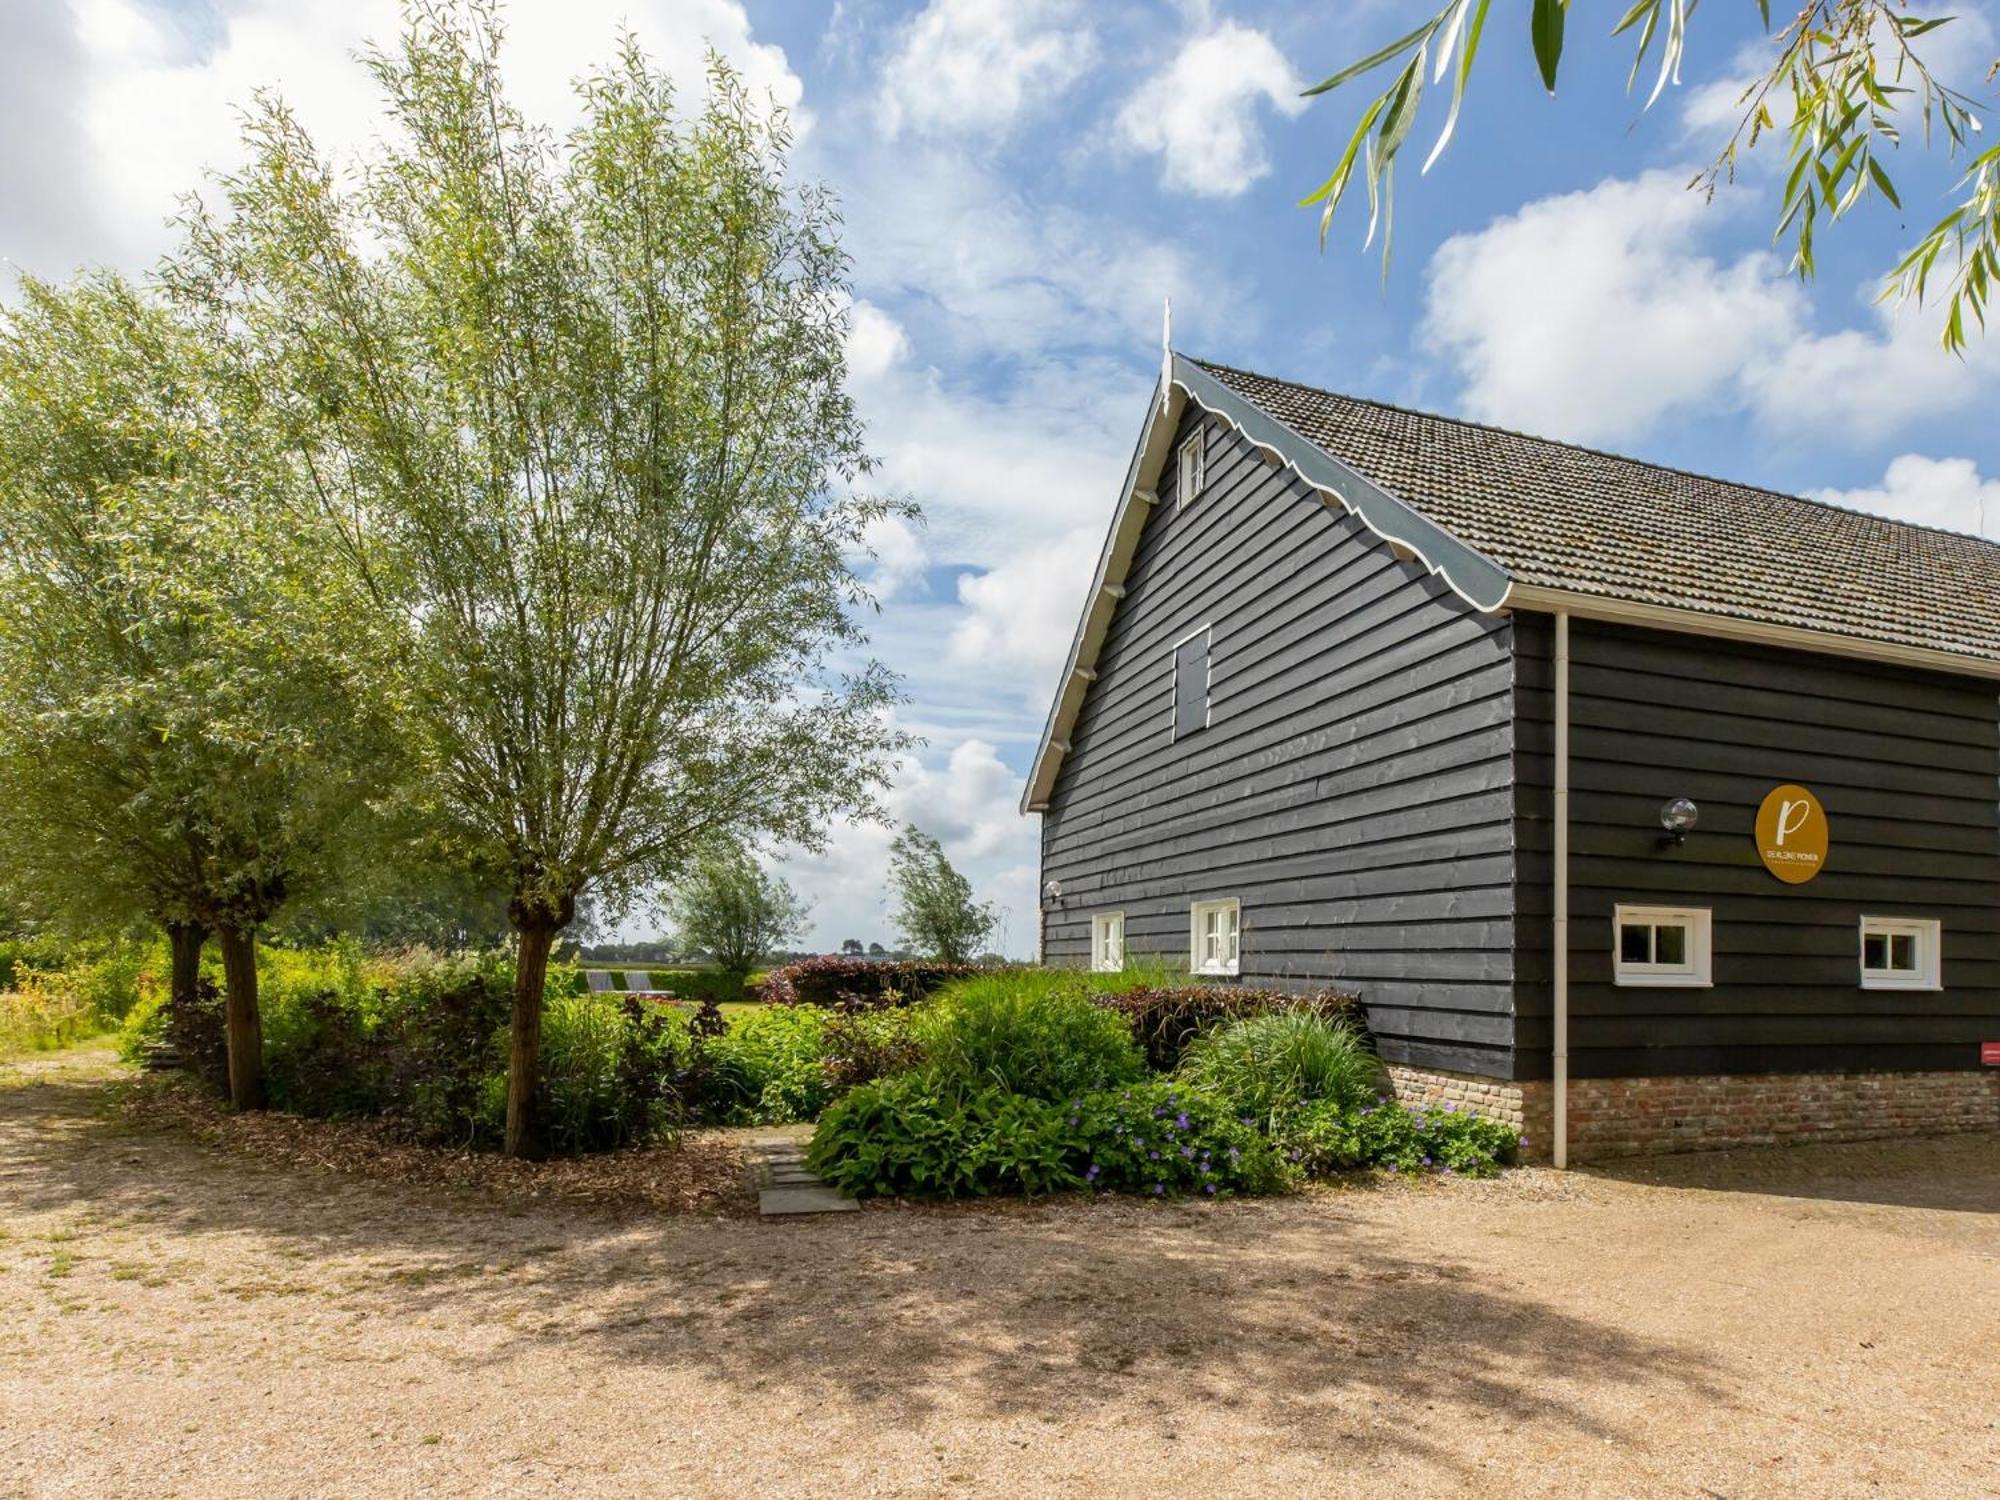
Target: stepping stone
[(793, 1176), (814, 1199)]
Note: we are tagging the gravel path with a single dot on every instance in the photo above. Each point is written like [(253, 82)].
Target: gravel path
[(181, 1320)]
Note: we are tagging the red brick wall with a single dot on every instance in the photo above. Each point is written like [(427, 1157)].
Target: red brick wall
[(1611, 1117)]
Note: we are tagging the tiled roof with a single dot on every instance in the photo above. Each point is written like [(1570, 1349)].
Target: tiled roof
[(1574, 519)]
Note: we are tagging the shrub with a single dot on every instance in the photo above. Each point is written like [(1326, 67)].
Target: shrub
[(1165, 1139), (1167, 1018), (767, 1068), (1031, 1032), (62, 998), (835, 982), (608, 1073), (1265, 1065), (1326, 1136), (862, 1046), (923, 1136), (446, 1019)]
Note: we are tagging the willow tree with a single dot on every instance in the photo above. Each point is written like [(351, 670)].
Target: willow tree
[(588, 395), (182, 733)]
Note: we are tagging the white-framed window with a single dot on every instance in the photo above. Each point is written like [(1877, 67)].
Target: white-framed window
[(1194, 467), (1107, 941), (1661, 945), (1191, 683), (1901, 953), (1214, 933)]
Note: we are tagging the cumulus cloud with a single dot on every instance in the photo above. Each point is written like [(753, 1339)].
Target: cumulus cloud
[(1946, 492), (155, 104), (1199, 114), (1593, 315), (1024, 612), (1596, 315), (976, 66), (966, 798)]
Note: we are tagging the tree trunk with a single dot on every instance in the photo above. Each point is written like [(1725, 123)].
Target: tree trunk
[(524, 1113), (244, 1026), (186, 940)]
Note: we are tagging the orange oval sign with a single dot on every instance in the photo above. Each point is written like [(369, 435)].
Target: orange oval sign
[(1791, 834)]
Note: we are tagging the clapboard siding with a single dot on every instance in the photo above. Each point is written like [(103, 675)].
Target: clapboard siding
[(1353, 789), (1907, 765)]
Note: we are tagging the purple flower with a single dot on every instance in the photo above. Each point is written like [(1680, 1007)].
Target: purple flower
[(1160, 1112), (1450, 1108), (1159, 1189), (1181, 1120), (1427, 1161), (1091, 1175), (1392, 1166), (1447, 1171), (1368, 1109), (1154, 1155), (1208, 1187), (1188, 1152)]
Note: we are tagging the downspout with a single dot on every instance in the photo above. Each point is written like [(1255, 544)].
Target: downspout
[(1559, 958)]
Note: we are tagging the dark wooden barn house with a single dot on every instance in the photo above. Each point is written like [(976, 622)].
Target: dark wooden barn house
[(1645, 809)]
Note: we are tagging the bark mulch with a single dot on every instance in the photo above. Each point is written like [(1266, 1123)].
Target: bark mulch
[(703, 1172)]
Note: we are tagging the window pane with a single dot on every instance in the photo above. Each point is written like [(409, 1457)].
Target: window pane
[(1670, 946), (1634, 943), (1875, 951), (1903, 952)]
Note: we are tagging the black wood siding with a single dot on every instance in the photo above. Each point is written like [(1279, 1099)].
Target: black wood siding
[(1353, 788), (1907, 766)]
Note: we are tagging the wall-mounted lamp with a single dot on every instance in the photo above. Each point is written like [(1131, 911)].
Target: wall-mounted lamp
[(1677, 818), (1052, 893)]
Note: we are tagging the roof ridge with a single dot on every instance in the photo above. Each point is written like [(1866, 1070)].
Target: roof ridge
[(1623, 458)]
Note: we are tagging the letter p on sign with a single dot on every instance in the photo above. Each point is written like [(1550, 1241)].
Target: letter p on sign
[(1791, 834)]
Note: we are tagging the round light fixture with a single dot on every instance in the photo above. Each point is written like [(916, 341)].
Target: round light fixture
[(1678, 818), (1052, 892)]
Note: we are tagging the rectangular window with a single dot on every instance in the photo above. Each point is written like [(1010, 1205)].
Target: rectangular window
[(1193, 471), (1191, 683), (1900, 953), (1661, 945), (1107, 942), (1215, 927)]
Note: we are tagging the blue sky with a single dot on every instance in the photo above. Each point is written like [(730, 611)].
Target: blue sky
[(1025, 180)]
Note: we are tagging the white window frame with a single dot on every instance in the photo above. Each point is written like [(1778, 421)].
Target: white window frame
[(1929, 935), (1192, 454), (1207, 682), (1233, 964), (1102, 924), (1696, 973)]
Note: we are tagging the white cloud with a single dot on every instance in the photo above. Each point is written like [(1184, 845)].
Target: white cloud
[(875, 342), (1596, 315), (1592, 315), (1869, 383), (1199, 113), (156, 106), (968, 800), (1024, 612), (1946, 492), (977, 65)]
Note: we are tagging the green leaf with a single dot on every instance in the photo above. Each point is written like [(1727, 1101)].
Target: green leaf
[(1375, 59), (1547, 28), (1882, 182)]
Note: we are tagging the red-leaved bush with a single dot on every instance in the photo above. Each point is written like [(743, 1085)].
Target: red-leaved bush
[(841, 983)]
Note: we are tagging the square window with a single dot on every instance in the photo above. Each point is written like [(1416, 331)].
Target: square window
[(1901, 953), (1193, 468), (1215, 936), (1107, 941), (1662, 946)]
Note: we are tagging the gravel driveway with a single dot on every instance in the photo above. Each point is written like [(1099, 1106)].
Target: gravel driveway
[(180, 1320)]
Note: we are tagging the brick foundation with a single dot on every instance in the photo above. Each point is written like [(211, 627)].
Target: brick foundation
[(1611, 1117)]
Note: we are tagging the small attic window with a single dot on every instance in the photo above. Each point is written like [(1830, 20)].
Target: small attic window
[(1194, 449)]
